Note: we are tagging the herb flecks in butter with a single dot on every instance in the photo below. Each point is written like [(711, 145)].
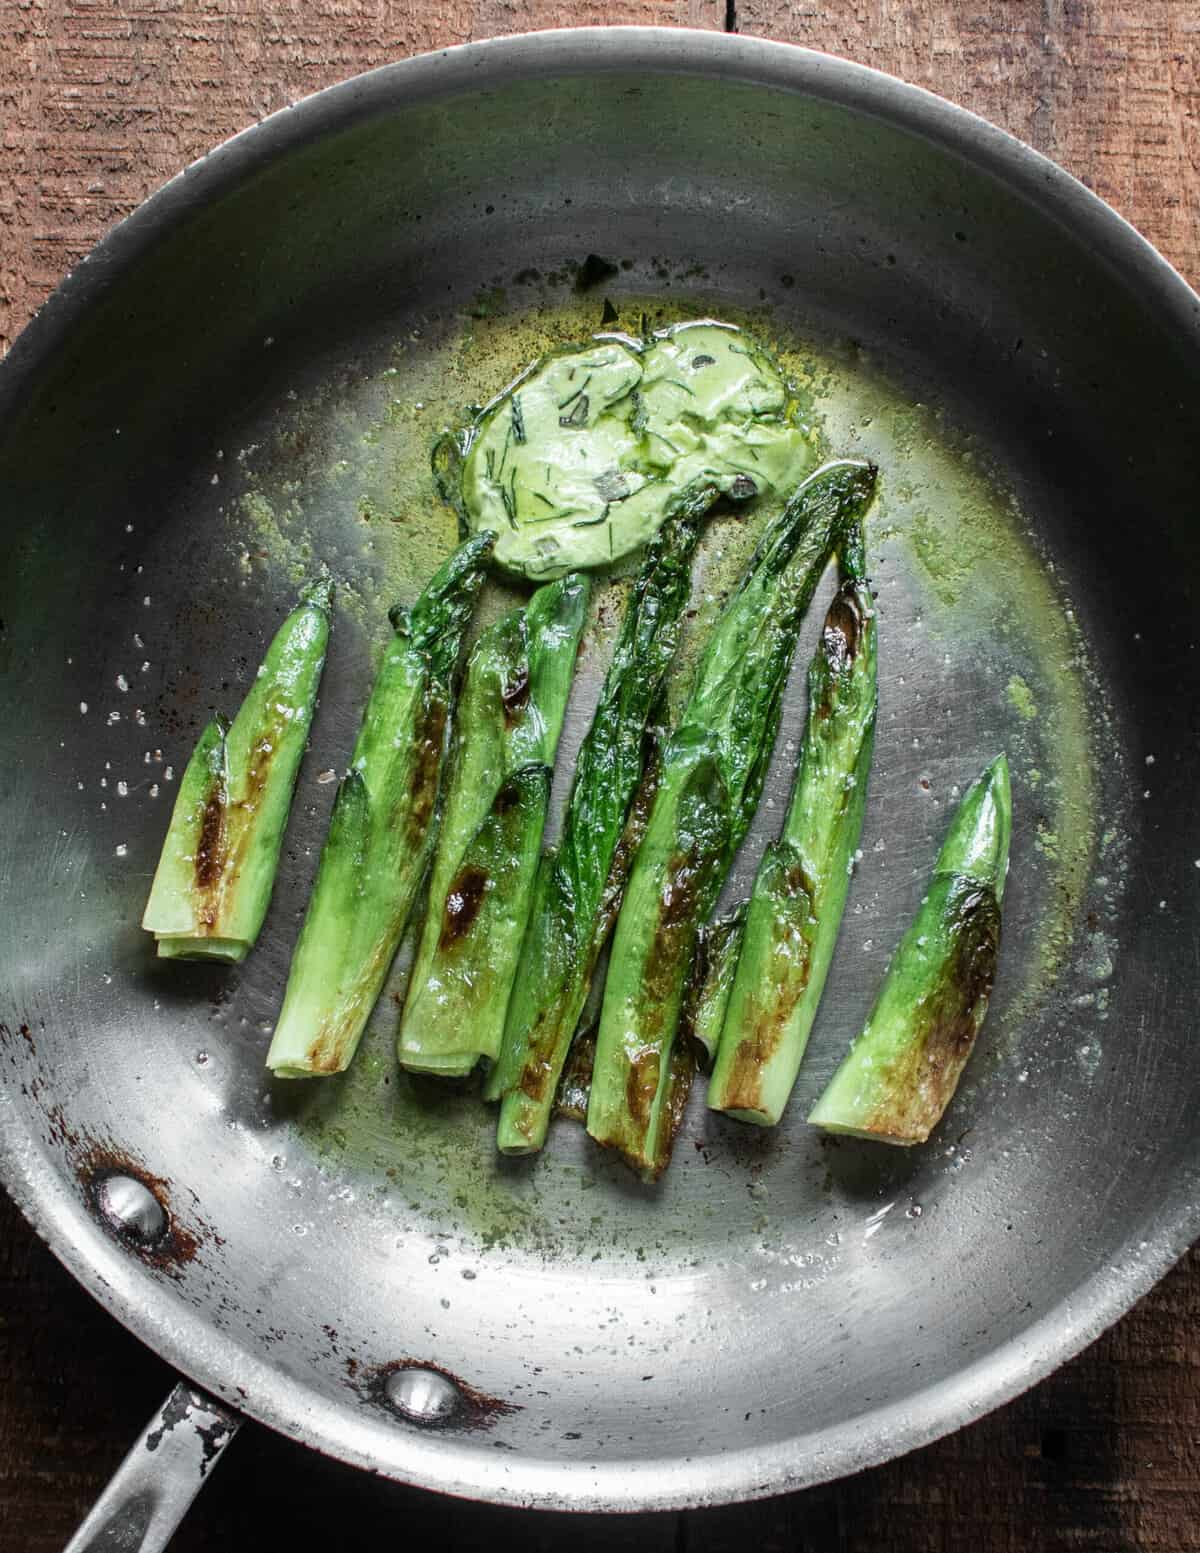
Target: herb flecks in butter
[(577, 463)]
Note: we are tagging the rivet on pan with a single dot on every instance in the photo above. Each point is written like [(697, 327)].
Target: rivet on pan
[(423, 1396), (131, 1208)]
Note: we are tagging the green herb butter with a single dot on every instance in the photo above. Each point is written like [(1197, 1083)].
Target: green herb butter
[(577, 462)]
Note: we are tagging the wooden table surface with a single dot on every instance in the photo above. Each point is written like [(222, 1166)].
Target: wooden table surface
[(100, 102)]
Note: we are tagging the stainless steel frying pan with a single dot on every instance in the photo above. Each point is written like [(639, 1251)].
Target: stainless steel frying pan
[(246, 374)]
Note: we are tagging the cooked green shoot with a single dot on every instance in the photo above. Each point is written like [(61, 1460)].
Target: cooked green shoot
[(799, 894), (509, 719), (674, 881), (217, 868), (707, 996), (709, 785), (381, 830), (580, 882), (902, 1071), (576, 1082)]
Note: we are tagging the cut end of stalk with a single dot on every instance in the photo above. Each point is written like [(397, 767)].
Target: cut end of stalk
[(230, 951), (438, 1064), (297, 1053), (517, 1148), (521, 1128), (313, 1064), (492, 1087), (756, 1118), (845, 1130)]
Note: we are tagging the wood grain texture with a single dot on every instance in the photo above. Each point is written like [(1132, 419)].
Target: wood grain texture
[(100, 102), (1108, 88)]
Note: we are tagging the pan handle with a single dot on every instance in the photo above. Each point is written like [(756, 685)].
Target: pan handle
[(152, 1488)]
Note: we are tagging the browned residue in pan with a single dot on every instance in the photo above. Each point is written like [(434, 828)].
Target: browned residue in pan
[(97, 1163), (478, 1410), (94, 1160)]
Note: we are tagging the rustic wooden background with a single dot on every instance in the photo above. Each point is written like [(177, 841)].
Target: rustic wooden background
[(100, 102)]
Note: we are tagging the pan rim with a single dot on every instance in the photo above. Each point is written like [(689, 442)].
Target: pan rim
[(181, 1334)]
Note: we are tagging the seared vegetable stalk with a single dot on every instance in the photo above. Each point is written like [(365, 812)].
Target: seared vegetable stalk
[(381, 830), (217, 868), (712, 774), (799, 893), (576, 1082), (579, 884), (509, 719), (707, 997), (902, 1071)]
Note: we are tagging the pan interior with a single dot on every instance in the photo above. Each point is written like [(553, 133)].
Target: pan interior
[(258, 394)]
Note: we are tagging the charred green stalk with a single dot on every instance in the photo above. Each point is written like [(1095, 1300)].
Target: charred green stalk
[(509, 720), (712, 981), (576, 1083), (799, 894), (217, 868), (381, 830), (674, 882), (711, 778), (580, 883), (902, 1071)]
